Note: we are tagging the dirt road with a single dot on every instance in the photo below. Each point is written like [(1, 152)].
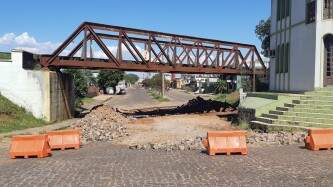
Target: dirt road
[(172, 128), (137, 97)]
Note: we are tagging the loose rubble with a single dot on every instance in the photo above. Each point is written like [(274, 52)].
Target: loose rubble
[(185, 144), (253, 138), (279, 138), (102, 124)]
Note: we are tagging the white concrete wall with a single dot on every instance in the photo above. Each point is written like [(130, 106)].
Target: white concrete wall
[(302, 58), (39, 92), (323, 27), (302, 71), (23, 87)]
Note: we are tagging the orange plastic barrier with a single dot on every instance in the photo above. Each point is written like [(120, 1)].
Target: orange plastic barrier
[(319, 139), (30, 145), (225, 142), (64, 139)]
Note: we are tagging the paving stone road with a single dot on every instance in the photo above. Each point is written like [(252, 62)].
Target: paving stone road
[(104, 164)]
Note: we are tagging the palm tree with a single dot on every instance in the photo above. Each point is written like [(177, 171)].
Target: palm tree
[(220, 86)]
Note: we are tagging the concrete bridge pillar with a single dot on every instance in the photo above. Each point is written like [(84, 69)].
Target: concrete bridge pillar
[(46, 94)]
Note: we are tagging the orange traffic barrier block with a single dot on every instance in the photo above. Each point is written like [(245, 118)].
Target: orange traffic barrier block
[(319, 139), (225, 142), (64, 139), (30, 146)]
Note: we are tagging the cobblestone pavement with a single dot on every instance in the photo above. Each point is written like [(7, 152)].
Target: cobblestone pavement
[(108, 165)]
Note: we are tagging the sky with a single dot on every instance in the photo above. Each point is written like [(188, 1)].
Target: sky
[(39, 26)]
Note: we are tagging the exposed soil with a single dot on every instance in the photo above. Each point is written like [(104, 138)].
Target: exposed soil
[(169, 129)]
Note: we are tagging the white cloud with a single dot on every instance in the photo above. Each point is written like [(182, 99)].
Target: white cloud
[(29, 43), (7, 38), (113, 49), (26, 42)]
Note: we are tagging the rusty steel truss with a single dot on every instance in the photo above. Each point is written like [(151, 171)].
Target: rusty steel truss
[(150, 51)]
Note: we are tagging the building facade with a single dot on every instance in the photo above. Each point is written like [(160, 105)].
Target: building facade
[(301, 44)]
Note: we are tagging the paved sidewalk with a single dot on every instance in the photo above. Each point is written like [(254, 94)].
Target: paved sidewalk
[(104, 164)]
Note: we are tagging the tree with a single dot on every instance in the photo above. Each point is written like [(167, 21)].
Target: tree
[(156, 82), (90, 77), (220, 86), (80, 82), (263, 33), (109, 78), (246, 83), (131, 78)]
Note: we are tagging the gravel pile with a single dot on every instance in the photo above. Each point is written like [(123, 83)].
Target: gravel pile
[(254, 138), (102, 124), (279, 138), (185, 144)]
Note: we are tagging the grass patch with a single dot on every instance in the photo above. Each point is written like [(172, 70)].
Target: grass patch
[(5, 56), (157, 96), (87, 100), (13, 117), (243, 125), (231, 98)]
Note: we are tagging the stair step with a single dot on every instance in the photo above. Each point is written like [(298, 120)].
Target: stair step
[(294, 123), (289, 105), (321, 93), (277, 112), (275, 127), (313, 114), (311, 110), (313, 102), (271, 116), (316, 97), (312, 106), (309, 114), (305, 119), (265, 120), (283, 108)]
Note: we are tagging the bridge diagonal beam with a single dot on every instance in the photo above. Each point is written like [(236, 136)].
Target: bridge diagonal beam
[(134, 47), (162, 52), (61, 48), (103, 46)]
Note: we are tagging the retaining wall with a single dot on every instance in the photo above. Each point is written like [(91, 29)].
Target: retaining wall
[(46, 94)]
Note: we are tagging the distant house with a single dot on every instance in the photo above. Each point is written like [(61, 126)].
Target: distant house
[(301, 44)]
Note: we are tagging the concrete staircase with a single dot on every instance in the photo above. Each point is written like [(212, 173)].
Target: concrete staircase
[(313, 109)]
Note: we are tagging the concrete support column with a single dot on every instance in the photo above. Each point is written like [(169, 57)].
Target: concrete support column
[(163, 85), (254, 82)]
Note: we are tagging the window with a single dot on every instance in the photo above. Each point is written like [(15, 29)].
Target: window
[(328, 9), (287, 54), (282, 58), (329, 55), (277, 63), (311, 12), (282, 52), (283, 9), (272, 53)]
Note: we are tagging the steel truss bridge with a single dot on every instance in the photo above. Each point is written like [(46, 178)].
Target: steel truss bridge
[(150, 51)]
